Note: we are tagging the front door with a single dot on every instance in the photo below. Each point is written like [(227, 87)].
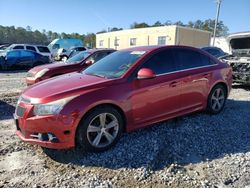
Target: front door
[(156, 99)]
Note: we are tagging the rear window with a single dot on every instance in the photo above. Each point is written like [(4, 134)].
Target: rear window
[(43, 49), (31, 48)]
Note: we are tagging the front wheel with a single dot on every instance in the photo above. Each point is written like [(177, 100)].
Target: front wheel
[(216, 99), (100, 129)]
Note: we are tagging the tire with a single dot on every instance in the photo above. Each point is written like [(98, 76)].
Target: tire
[(93, 133), (216, 99)]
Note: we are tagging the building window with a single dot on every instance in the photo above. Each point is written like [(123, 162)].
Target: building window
[(132, 41), (101, 43), (162, 40), (116, 42)]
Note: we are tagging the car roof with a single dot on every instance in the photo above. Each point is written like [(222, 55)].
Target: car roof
[(156, 47), (100, 49), (28, 45), (23, 50)]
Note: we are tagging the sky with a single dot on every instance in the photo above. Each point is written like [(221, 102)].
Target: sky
[(85, 16)]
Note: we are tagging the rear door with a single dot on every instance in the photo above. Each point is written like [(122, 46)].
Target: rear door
[(12, 58), (158, 98), (27, 58), (195, 73)]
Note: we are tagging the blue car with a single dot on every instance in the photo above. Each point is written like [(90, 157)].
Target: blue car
[(16, 59), (215, 51)]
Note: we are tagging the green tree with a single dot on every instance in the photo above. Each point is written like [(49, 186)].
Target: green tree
[(139, 25), (157, 24), (90, 40)]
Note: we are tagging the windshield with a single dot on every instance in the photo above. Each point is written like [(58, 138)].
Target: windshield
[(240, 43), (78, 57), (114, 65)]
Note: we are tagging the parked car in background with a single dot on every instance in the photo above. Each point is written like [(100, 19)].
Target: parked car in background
[(65, 44), (239, 60), (41, 49), (127, 90), (63, 54), (21, 59), (76, 63), (3, 47), (215, 51)]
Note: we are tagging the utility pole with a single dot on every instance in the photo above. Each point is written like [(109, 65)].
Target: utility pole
[(217, 18)]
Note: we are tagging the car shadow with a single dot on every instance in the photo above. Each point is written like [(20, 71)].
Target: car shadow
[(190, 139), (6, 110)]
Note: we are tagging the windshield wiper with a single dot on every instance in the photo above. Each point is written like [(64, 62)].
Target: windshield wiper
[(98, 75)]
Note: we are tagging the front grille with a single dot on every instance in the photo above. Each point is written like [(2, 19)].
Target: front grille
[(20, 111)]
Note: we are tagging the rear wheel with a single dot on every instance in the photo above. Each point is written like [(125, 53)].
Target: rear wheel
[(216, 99), (100, 129)]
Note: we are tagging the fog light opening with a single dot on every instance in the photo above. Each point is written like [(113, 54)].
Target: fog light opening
[(66, 132)]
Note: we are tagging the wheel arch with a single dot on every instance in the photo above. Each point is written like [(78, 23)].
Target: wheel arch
[(106, 104), (224, 84)]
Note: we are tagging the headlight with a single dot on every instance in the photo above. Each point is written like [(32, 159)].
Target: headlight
[(50, 108), (41, 73)]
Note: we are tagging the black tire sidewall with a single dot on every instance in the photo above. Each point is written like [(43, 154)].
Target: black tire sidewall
[(209, 103), (81, 134)]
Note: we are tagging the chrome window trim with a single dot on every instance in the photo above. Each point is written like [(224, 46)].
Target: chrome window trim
[(186, 69)]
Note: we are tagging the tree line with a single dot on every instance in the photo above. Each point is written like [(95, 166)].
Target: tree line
[(11, 34), (207, 25)]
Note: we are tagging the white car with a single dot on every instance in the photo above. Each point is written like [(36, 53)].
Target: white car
[(41, 49)]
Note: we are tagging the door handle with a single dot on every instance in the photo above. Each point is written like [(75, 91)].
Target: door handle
[(173, 84)]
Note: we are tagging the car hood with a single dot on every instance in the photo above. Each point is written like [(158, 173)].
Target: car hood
[(49, 66), (64, 86)]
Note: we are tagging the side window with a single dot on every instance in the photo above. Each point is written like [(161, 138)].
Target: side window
[(207, 61), (27, 54), (101, 43), (13, 54), (161, 63), (132, 41), (99, 56), (81, 49), (116, 42), (187, 59), (18, 48), (162, 40), (43, 49), (56, 46), (31, 48), (214, 51)]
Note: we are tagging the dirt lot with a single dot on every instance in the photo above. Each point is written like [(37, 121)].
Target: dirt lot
[(198, 150)]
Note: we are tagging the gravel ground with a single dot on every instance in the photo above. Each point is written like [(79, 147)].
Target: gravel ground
[(198, 150)]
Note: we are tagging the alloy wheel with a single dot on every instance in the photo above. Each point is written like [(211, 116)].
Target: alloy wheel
[(217, 99), (102, 130)]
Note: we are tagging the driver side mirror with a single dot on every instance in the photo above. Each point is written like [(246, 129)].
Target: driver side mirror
[(145, 73)]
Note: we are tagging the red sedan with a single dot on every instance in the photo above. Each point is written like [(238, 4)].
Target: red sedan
[(76, 63), (124, 91)]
